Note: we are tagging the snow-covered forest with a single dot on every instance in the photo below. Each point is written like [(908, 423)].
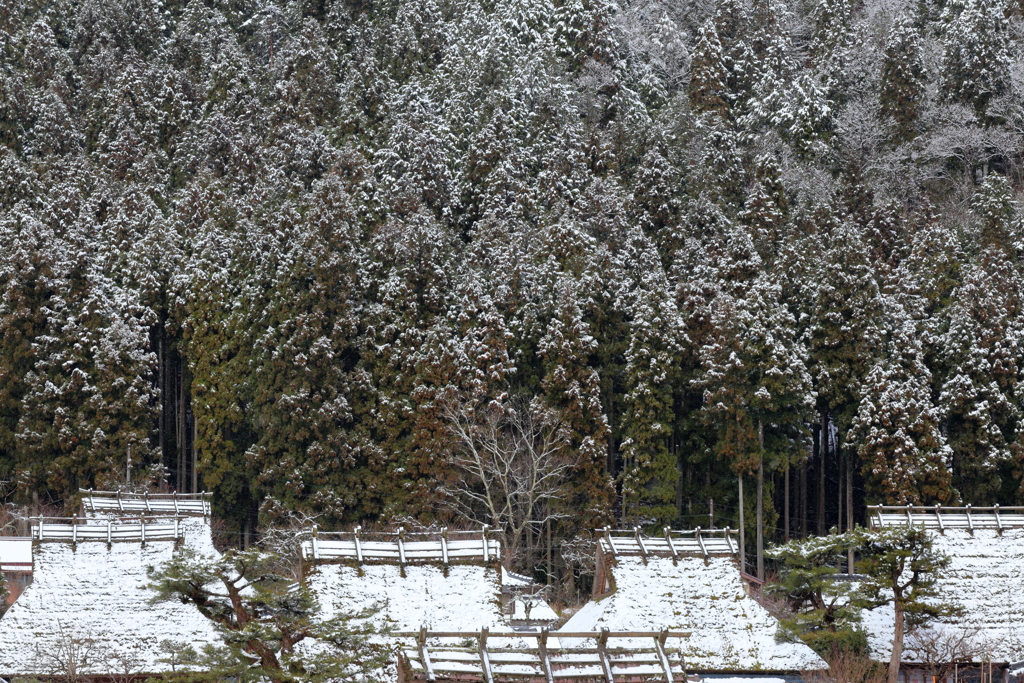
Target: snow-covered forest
[(338, 258)]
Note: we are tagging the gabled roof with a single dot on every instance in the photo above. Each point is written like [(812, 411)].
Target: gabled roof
[(729, 630), (986, 578), (97, 591)]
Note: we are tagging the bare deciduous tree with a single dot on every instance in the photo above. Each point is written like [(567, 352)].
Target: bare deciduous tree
[(68, 657), (513, 460), (942, 649)]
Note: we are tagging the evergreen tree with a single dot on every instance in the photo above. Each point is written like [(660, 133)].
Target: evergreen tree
[(904, 456), (976, 54), (902, 88), (824, 611), (901, 567)]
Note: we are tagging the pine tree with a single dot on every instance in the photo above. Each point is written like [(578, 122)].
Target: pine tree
[(976, 55), (572, 387), (650, 472), (708, 77), (904, 456), (903, 78)]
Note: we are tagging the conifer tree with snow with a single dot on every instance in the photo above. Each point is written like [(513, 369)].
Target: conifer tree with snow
[(977, 54), (904, 456), (902, 88)]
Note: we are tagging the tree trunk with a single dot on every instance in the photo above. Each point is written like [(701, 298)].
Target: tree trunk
[(823, 457), (849, 508), (195, 457), (760, 502), (803, 499), (743, 535), (897, 643), (785, 505)]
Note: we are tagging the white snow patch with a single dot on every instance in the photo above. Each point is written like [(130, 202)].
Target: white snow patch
[(729, 630)]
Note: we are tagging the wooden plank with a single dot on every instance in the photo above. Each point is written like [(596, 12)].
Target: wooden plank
[(545, 661), (668, 541), (659, 643), (421, 641), (485, 661), (602, 650)]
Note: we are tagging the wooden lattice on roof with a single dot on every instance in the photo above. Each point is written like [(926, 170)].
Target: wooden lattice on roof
[(116, 502), (673, 543), (402, 547), (75, 530), (940, 517), (545, 662)]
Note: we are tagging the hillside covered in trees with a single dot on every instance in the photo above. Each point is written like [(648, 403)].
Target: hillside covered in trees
[(336, 257)]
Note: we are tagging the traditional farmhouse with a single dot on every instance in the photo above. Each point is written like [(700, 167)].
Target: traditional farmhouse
[(88, 607), (663, 608), (985, 577)]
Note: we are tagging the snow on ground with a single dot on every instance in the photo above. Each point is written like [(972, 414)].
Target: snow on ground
[(985, 577), (95, 592), (729, 630)]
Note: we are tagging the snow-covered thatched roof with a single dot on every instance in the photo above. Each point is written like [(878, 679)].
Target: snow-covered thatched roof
[(729, 630), (456, 598), (96, 592), (985, 578)]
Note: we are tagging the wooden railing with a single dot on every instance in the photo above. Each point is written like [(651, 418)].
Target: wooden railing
[(75, 530), (941, 517), (673, 543), (176, 504), (544, 663), (402, 547)]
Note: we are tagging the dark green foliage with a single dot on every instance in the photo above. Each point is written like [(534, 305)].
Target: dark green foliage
[(825, 614), (263, 616), (261, 245)]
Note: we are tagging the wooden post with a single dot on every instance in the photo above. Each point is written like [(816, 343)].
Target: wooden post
[(602, 653), (700, 543), (109, 534), (316, 544), (999, 522), (640, 542), (486, 551), (444, 545), (608, 537), (74, 529), (421, 641), (711, 513), (671, 546), (728, 540), (174, 497), (659, 645), (401, 545), (359, 545), (970, 522), (143, 530), (485, 659), (545, 661), (938, 518)]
